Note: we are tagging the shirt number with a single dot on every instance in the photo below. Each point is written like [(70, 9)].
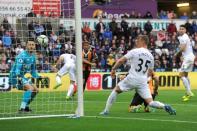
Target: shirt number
[(143, 67)]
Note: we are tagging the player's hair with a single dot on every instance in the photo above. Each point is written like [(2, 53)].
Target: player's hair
[(30, 41), (85, 42), (183, 26), (144, 38)]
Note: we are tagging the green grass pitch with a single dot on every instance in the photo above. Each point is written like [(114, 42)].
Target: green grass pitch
[(118, 120)]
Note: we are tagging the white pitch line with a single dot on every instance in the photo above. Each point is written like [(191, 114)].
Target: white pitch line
[(122, 102), (142, 119)]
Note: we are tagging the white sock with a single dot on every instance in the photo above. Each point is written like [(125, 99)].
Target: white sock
[(188, 80), (111, 99), (70, 90), (186, 84), (58, 79), (23, 105), (156, 104)]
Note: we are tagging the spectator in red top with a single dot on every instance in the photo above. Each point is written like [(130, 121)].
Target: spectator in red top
[(171, 29)]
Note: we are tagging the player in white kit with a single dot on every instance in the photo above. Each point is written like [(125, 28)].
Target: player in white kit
[(142, 62), (69, 61), (188, 60)]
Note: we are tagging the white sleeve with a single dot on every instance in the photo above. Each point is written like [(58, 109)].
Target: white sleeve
[(130, 54), (183, 40), (62, 55)]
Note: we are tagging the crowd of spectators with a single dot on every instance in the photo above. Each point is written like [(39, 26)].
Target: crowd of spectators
[(112, 41), (109, 42), (161, 15)]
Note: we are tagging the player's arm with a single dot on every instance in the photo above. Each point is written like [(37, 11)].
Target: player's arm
[(19, 63), (59, 61), (151, 73), (121, 61), (95, 56), (156, 85), (34, 72), (182, 48), (88, 62)]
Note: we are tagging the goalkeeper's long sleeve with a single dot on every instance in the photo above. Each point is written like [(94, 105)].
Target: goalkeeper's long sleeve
[(34, 72)]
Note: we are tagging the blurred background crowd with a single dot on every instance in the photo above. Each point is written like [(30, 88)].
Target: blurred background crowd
[(109, 41)]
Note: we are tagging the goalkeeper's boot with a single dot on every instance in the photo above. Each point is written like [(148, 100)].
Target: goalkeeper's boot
[(21, 111), (170, 110), (57, 85), (104, 113), (27, 109)]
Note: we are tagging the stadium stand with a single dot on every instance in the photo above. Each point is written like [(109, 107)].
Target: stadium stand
[(109, 41)]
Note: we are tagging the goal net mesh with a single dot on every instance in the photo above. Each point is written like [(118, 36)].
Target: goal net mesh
[(22, 20)]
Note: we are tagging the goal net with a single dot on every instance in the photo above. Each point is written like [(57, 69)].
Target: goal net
[(23, 20)]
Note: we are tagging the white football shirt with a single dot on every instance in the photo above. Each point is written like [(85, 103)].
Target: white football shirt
[(184, 39), (140, 61), (69, 59)]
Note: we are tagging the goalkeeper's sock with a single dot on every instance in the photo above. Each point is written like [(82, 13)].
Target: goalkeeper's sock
[(70, 90), (111, 99), (33, 95), (26, 98)]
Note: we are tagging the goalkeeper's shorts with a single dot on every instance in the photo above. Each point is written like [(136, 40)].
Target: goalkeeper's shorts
[(19, 83)]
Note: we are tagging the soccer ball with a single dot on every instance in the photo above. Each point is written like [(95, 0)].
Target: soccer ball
[(43, 40)]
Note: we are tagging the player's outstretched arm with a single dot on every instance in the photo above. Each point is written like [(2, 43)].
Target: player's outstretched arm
[(34, 72), (156, 80), (88, 62), (121, 61)]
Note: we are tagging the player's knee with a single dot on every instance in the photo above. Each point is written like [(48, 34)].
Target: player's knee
[(182, 74), (72, 82), (149, 101), (36, 90), (117, 89)]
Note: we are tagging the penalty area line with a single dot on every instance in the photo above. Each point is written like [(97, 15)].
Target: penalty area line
[(141, 119)]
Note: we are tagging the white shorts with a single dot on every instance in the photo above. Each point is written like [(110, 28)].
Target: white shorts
[(187, 65), (141, 88), (68, 69)]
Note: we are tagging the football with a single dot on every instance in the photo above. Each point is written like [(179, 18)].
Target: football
[(43, 40)]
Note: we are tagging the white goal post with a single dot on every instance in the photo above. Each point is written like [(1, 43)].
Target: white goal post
[(80, 109)]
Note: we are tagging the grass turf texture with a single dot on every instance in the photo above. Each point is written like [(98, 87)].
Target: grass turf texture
[(119, 118)]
